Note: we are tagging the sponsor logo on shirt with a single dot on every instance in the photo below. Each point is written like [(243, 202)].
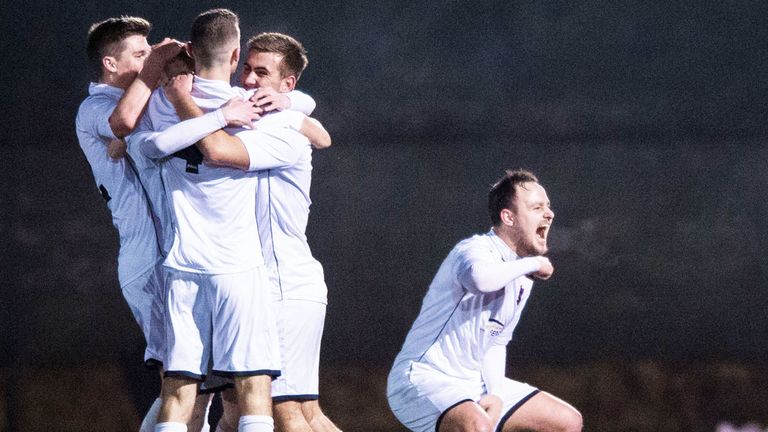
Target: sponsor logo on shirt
[(494, 327)]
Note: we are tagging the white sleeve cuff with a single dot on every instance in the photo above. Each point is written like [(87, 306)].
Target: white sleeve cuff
[(301, 102), (184, 134)]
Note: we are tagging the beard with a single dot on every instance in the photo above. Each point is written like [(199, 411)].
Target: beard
[(526, 245)]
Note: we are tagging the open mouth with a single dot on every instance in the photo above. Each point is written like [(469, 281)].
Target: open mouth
[(541, 232)]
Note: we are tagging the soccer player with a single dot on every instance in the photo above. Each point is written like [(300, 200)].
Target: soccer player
[(127, 69), (217, 306), (276, 61), (289, 173), (449, 375)]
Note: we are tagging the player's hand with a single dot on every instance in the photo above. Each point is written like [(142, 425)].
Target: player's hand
[(116, 149), (240, 112), (492, 405), (546, 269), (161, 53), (270, 99), (166, 50), (178, 87)]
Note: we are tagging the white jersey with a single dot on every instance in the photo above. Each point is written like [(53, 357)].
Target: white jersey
[(282, 212), (119, 184), (150, 174), (215, 229), (458, 324)]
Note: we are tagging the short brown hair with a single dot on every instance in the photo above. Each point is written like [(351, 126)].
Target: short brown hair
[(294, 55), (502, 194), (211, 33), (106, 37)]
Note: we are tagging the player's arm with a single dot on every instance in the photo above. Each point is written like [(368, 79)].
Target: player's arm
[(270, 99), (492, 370), (481, 271), (315, 133), (126, 114), (236, 112)]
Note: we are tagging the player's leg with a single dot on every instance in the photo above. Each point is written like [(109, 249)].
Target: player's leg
[(289, 416), (145, 296), (178, 395), (199, 420), (230, 412), (254, 401), (542, 412), (295, 393), (317, 420), (245, 344), (465, 416), (188, 341)]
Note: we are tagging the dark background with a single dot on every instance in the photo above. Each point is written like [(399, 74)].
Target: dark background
[(645, 121)]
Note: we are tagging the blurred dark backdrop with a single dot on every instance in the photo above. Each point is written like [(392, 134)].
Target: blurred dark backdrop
[(645, 121)]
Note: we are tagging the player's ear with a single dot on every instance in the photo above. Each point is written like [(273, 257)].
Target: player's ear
[(235, 58), (287, 84), (507, 217), (109, 63)]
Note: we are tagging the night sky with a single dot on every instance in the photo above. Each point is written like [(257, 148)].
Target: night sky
[(645, 121)]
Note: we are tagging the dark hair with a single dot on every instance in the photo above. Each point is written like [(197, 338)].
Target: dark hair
[(105, 37), (502, 194), (211, 33), (294, 55)]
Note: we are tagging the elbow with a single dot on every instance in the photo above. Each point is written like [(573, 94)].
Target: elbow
[(324, 141), (212, 153), (121, 126)]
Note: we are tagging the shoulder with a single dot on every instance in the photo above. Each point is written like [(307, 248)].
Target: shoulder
[(477, 241)]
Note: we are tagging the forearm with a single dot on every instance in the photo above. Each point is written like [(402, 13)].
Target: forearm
[(218, 147), (182, 135), (301, 102), (489, 276), (493, 368), (125, 117), (315, 133)]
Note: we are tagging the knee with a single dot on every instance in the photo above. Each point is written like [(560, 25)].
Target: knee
[(466, 420), (572, 421)]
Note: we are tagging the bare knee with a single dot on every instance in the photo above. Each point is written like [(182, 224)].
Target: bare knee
[(466, 417), (572, 421), (289, 417)]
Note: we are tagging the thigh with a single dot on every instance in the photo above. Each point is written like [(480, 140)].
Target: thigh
[(245, 337), (187, 325), (466, 416), (300, 326), (542, 411)]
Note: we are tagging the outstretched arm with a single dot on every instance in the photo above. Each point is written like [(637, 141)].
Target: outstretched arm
[(481, 273), (126, 114)]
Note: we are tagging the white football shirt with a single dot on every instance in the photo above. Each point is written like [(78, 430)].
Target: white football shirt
[(282, 210), (215, 229), (458, 324), (119, 183)]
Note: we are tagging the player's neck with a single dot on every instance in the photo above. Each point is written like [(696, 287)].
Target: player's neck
[(218, 73), (505, 236)]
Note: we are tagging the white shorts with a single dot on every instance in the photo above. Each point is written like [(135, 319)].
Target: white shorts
[(300, 325), (414, 404), (144, 296), (222, 319)]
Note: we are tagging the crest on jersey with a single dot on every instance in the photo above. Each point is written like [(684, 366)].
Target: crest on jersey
[(494, 327)]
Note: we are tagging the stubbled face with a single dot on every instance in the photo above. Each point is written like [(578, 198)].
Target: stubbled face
[(262, 69), (130, 60), (532, 218)]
